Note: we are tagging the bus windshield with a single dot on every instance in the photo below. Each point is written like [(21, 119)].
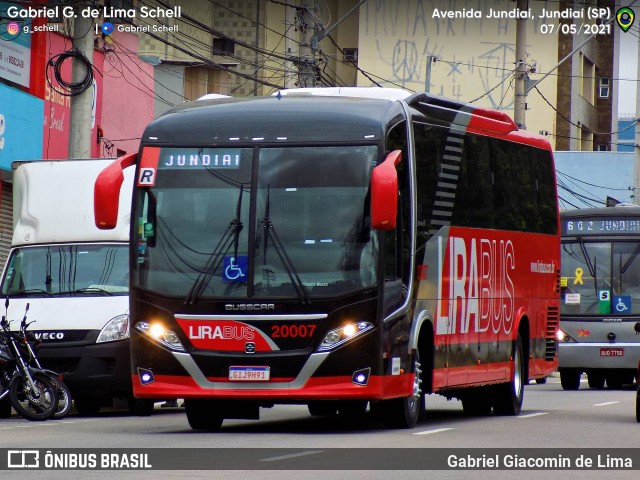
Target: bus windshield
[(265, 222), (75, 270), (600, 278)]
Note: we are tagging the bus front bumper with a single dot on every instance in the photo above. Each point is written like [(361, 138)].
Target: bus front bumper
[(598, 355)]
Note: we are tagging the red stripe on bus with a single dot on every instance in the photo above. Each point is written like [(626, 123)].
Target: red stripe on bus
[(386, 387)]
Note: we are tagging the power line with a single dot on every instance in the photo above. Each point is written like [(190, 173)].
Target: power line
[(575, 124)]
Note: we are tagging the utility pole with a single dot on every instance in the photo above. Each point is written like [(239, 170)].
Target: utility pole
[(81, 104), (520, 103), (636, 151), (307, 59), (290, 46), (427, 80)]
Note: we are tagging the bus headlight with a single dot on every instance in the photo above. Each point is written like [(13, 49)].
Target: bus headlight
[(563, 336), (343, 334), (116, 329), (159, 333)]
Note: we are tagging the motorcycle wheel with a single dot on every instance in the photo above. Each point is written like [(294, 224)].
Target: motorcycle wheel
[(36, 405), (64, 398)]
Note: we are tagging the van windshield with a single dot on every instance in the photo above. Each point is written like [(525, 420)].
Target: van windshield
[(76, 270)]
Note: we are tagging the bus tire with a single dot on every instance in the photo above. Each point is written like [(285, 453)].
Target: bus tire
[(595, 380), (615, 380), (509, 396), (570, 378), (404, 412), (477, 403), (203, 414)]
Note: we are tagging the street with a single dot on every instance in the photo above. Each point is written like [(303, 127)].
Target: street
[(551, 418)]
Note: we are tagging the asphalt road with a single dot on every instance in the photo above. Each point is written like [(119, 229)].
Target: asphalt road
[(551, 419)]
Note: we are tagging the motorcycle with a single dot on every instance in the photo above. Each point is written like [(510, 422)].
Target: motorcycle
[(30, 390), (30, 345)]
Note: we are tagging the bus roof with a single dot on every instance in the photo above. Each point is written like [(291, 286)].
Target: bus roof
[(272, 119), (340, 114), (626, 210)]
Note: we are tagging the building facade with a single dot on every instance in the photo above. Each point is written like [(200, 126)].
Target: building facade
[(587, 100)]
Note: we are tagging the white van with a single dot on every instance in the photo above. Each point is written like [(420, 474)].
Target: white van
[(75, 279)]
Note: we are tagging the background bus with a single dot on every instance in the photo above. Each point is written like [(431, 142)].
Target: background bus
[(600, 286), (318, 248)]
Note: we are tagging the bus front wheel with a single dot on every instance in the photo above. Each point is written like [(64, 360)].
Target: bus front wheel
[(404, 412), (203, 414), (570, 379)]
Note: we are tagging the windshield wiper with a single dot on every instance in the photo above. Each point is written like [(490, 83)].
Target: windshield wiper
[(592, 266), (230, 237), (30, 291), (270, 232), (88, 290)]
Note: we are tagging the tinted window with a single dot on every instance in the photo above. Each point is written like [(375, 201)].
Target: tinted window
[(482, 182)]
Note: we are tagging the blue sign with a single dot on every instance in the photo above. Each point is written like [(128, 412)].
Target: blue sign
[(15, 44), (21, 126), (621, 304), (235, 268)]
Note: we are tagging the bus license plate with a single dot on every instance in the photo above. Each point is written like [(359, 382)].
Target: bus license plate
[(249, 374), (611, 352)]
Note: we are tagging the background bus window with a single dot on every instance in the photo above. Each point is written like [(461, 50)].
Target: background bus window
[(600, 278)]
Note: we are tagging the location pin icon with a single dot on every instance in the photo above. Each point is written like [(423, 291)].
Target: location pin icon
[(625, 18)]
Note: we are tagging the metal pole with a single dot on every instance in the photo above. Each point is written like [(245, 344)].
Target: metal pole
[(255, 82), (520, 103), (81, 105), (307, 54), (427, 80), (290, 46)]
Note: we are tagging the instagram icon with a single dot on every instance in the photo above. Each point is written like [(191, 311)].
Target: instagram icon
[(13, 29)]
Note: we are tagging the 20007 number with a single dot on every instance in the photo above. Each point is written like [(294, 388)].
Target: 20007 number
[(292, 331)]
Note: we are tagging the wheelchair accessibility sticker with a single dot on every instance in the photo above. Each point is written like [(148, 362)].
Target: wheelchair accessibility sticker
[(235, 269), (621, 304)]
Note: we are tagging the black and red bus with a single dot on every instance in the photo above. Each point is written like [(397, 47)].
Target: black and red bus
[(339, 248)]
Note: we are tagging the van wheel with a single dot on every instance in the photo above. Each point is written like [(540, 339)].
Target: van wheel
[(203, 414), (509, 396)]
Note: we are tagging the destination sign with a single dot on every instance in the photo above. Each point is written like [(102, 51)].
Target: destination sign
[(207, 158), (600, 226)]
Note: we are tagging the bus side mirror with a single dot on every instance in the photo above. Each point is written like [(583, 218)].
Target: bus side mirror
[(106, 192), (384, 193)]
